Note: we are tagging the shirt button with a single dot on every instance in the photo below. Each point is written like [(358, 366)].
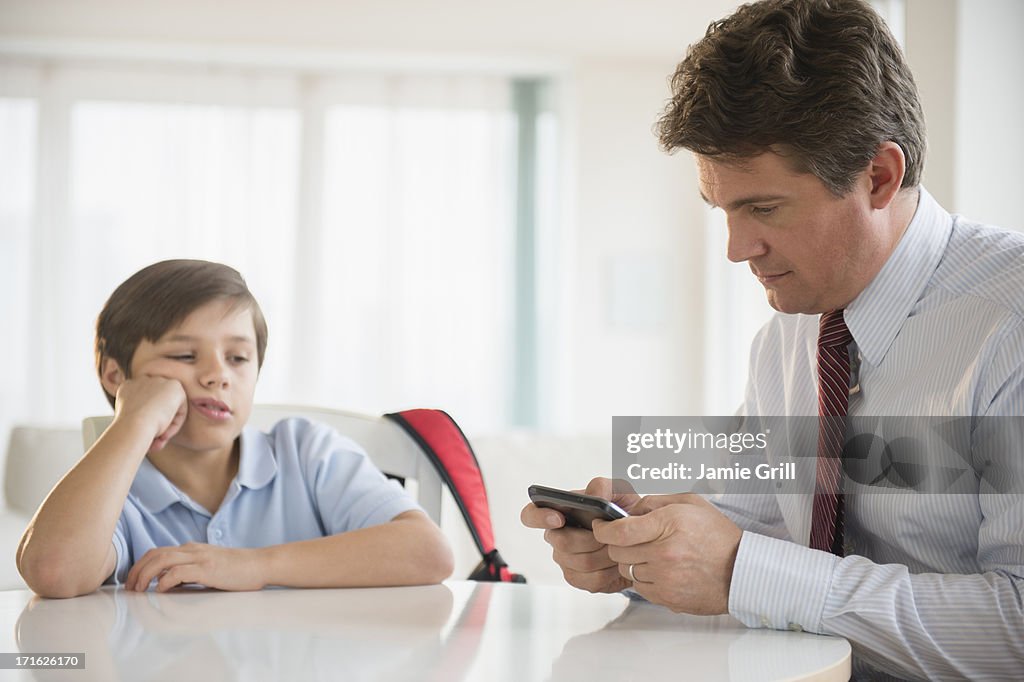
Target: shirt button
[(217, 534)]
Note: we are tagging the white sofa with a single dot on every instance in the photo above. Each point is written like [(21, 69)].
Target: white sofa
[(37, 457)]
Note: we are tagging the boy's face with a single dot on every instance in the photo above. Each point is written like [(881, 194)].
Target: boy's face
[(213, 355)]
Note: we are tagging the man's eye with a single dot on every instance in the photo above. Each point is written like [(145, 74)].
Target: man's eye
[(763, 210)]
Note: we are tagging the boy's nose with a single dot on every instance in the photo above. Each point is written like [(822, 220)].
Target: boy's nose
[(214, 374)]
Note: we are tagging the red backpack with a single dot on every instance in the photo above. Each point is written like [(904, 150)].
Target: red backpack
[(444, 444)]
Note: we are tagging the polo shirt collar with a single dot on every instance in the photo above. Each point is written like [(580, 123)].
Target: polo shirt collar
[(152, 490), (257, 467), (877, 314)]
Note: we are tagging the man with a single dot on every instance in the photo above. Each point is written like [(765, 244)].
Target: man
[(807, 131)]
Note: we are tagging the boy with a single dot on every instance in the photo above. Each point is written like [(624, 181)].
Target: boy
[(191, 496)]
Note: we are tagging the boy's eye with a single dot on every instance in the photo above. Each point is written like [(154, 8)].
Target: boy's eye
[(239, 358), (182, 356)]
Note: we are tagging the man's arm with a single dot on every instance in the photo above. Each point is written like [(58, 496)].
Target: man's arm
[(929, 625), (66, 549), (408, 550)]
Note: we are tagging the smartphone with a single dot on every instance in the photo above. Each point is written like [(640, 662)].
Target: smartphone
[(579, 510)]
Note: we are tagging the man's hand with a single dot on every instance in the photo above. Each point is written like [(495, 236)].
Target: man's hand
[(584, 561), (158, 402), (223, 568), (682, 551)]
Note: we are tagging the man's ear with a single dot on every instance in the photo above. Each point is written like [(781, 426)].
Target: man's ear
[(888, 167), (111, 376)]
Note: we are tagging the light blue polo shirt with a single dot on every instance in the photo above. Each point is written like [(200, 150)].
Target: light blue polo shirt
[(300, 481)]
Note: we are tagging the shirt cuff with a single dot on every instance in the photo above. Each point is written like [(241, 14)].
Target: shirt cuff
[(780, 585), (122, 564)]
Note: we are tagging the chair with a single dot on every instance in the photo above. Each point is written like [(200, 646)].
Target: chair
[(36, 459), (390, 448)]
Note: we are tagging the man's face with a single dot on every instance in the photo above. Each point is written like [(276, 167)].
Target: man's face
[(213, 355), (812, 252)]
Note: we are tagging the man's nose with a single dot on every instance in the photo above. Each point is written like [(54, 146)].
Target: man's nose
[(745, 242)]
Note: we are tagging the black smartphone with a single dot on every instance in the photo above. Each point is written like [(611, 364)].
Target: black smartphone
[(579, 510)]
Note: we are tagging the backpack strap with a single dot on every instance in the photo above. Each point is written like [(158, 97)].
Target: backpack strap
[(444, 444)]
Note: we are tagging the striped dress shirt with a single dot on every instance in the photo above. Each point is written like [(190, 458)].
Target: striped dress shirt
[(932, 584)]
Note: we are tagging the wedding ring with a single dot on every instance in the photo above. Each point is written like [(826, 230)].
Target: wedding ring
[(631, 576)]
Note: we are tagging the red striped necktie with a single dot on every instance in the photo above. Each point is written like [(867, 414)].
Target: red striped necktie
[(833, 397)]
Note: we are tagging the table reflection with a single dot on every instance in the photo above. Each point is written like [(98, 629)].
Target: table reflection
[(272, 634), (647, 641), (457, 631)]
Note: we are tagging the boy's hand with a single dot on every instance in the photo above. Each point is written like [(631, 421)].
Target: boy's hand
[(222, 568), (157, 401)]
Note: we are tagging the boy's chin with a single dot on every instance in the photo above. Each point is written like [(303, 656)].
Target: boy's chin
[(198, 444)]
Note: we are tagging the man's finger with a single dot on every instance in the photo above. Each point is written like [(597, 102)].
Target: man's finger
[(635, 530), (533, 516), (583, 562), (572, 540), (617, 490), (652, 502)]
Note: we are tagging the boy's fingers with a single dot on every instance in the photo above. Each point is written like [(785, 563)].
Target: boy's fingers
[(177, 575), (152, 564), (634, 530)]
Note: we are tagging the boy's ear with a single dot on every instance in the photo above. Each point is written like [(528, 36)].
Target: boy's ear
[(111, 375)]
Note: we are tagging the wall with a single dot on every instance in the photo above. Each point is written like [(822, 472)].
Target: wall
[(631, 285), (630, 210), (989, 144), (968, 60)]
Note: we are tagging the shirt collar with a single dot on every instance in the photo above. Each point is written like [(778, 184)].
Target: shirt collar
[(152, 489), (256, 468), (877, 314), (257, 465)]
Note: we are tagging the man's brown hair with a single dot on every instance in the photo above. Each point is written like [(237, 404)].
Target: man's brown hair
[(821, 81), (158, 298)]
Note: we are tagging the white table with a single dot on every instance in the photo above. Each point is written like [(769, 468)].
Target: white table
[(456, 631)]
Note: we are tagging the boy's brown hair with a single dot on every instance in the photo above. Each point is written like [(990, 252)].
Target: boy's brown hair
[(821, 81), (158, 298)]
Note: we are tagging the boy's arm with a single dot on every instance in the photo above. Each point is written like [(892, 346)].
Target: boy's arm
[(408, 550), (66, 549)]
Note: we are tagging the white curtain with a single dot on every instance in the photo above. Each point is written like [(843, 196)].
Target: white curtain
[(371, 214)]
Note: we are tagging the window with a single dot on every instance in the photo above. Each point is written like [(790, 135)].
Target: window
[(373, 215)]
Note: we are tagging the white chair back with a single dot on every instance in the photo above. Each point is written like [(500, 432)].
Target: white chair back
[(390, 448), (37, 457)]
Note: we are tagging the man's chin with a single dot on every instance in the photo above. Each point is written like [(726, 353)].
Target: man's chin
[(784, 305)]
